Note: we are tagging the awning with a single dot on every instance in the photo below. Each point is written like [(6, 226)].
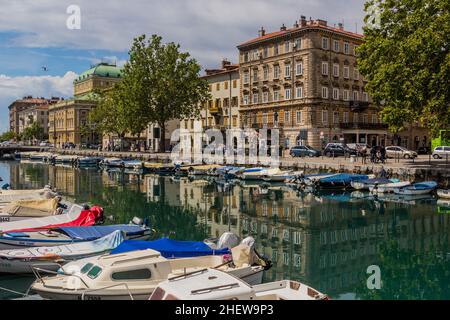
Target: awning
[(170, 248)]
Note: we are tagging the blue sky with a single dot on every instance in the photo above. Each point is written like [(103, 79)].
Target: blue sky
[(34, 34)]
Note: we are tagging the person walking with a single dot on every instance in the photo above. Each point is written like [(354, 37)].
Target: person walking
[(383, 154)]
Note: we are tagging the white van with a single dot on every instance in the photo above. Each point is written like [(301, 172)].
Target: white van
[(441, 152)]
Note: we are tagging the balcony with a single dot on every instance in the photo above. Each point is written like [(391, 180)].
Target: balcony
[(358, 105), (363, 125), (215, 110)]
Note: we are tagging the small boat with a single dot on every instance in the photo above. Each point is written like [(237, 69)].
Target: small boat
[(389, 187), (212, 284), (9, 195), (135, 274), (21, 261), (89, 161), (64, 159), (259, 173), (420, 188), (35, 208), (76, 216), (367, 184), (341, 180), (159, 168), (40, 156), (112, 162), (279, 177), (133, 164), (67, 235), (312, 179), (444, 194), (200, 170)]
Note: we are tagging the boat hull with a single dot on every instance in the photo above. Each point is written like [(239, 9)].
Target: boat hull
[(445, 194)]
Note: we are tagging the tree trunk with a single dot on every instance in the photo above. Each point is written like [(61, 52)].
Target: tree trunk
[(162, 140)]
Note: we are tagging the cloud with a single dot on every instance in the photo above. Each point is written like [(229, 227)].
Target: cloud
[(212, 26), (12, 88)]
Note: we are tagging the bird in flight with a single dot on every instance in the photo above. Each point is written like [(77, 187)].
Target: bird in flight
[(45, 68)]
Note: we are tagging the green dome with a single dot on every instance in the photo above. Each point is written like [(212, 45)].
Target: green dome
[(101, 70)]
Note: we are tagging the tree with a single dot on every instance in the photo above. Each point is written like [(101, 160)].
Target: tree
[(406, 60), (161, 84), (33, 132), (7, 136)]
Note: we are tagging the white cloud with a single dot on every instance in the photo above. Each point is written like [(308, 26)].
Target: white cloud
[(12, 88), (213, 26)]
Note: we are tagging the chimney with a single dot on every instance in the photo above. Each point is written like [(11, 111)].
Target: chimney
[(261, 32), (296, 25), (341, 26), (321, 22), (302, 21), (225, 63), (283, 28)]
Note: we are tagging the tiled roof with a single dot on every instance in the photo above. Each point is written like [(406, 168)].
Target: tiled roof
[(309, 26)]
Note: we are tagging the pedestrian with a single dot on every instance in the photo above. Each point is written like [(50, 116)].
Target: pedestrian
[(383, 154), (373, 154)]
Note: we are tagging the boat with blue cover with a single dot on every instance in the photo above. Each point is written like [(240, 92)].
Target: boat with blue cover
[(419, 188), (68, 235), (341, 180)]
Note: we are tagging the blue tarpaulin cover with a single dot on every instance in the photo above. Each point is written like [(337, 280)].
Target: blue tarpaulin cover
[(170, 248), (95, 232)]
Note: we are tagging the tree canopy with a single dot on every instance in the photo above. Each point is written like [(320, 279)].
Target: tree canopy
[(6, 136), (406, 61), (159, 83), (34, 131)]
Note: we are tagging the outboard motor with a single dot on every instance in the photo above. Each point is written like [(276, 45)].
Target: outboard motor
[(228, 240)]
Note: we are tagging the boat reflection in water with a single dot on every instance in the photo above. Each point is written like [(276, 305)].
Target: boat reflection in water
[(326, 240)]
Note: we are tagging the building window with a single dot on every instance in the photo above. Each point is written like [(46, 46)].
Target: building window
[(298, 44), (265, 118), (298, 117), (325, 43), (345, 119), (255, 98), (234, 84), (287, 94), (266, 73), (336, 117), (275, 50), (246, 78), (336, 70), (299, 68), (287, 71), (346, 72), (324, 116), (246, 57), (335, 93), (255, 54), (218, 87), (325, 92), (355, 53), (355, 96), (255, 75), (287, 47), (374, 119), (287, 117), (346, 95), (325, 68), (365, 118), (336, 45), (276, 72), (245, 101), (276, 95), (299, 92), (355, 118), (265, 52), (266, 97), (346, 48), (225, 84), (356, 74), (365, 97)]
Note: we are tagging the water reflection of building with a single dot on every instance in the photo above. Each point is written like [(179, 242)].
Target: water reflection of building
[(25, 177)]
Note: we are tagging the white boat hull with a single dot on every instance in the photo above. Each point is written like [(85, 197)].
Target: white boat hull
[(412, 192), (445, 194), (388, 188)]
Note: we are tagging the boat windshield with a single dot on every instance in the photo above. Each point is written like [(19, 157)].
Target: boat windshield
[(86, 268), (94, 272)]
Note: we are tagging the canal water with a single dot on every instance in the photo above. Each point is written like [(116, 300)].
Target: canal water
[(328, 240)]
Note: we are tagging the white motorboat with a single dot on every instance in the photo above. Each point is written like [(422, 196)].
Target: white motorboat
[(131, 275), (420, 188), (259, 173), (444, 193), (389, 187), (21, 261), (65, 159), (367, 184), (281, 176), (212, 284), (7, 196)]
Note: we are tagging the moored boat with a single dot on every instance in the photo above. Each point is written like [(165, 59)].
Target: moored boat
[(443, 193), (341, 180), (212, 284), (389, 187), (27, 209), (133, 275), (419, 188), (259, 173), (367, 184)]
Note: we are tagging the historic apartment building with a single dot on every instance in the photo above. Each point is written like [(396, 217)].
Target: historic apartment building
[(304, 81), (69, 119), (18, 118), (35, 114), (222, 111)]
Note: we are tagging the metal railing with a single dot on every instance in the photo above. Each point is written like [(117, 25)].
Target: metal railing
[(88, 291)]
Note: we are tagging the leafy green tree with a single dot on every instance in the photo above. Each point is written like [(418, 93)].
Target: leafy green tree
[(161, 84), (9, 135), (406, 60)]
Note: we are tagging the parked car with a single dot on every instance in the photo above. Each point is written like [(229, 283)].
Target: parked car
[(336, 150), (400, 152), (360, 147), (304, 151), (441, 152), (45, 144), (69, 145)]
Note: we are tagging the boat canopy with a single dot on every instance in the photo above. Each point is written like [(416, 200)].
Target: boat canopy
[(96, 232), (377, 181), (170, 248), (345, 177), (425, 185)]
